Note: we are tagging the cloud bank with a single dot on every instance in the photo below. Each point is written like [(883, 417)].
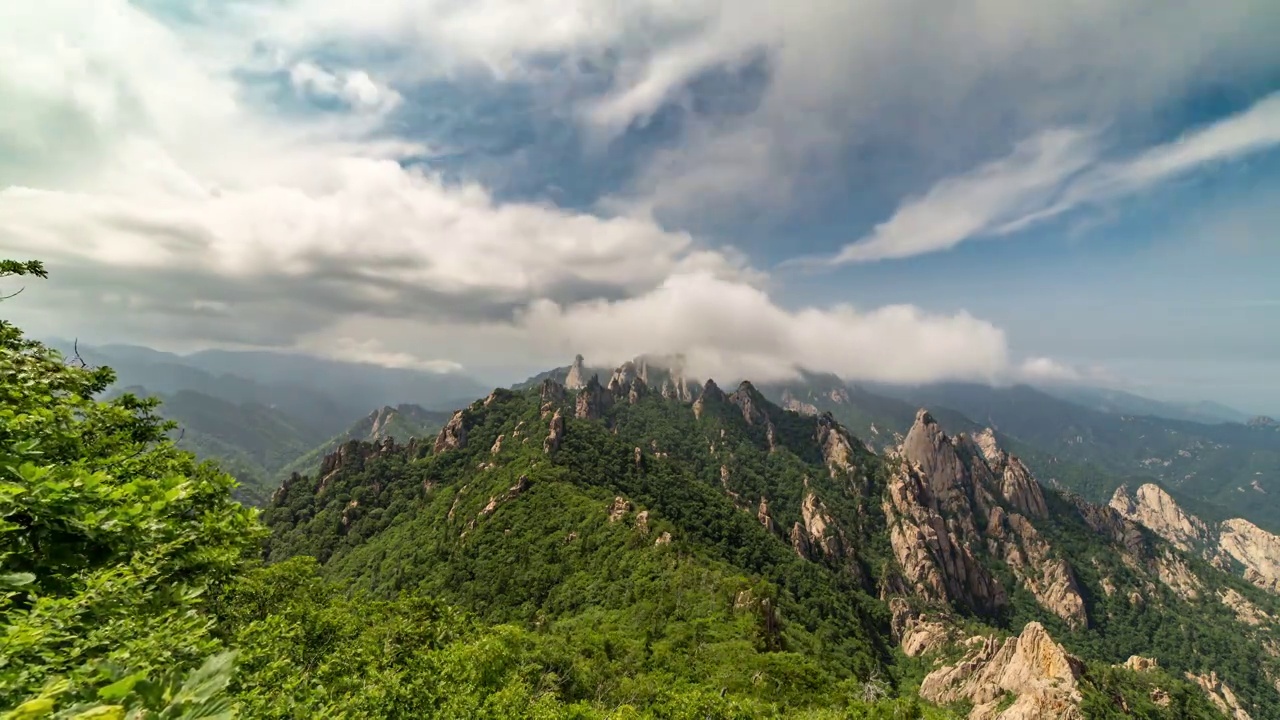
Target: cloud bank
[(200, 216)]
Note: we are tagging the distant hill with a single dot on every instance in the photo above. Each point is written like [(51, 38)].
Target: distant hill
[(1119, 402), (260, 413), (330, 393), (249, 440)]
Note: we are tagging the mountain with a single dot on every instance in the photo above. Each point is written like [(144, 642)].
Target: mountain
[(1118, 402), (1234, 545), (252, 442), (660, 544), (1233, 466), (328, 393), (403, 422)]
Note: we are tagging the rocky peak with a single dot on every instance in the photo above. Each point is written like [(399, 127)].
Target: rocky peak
[(927, 446), (1042, 676), (453, 436), (1156, 510), (836, 448), (1234, 543), (1013, 479), (711, 394), (1254, 548), (623, 377), (551, 392), (577, 377), (592, 401), (1222, 696), (751, 402), (795, 404)]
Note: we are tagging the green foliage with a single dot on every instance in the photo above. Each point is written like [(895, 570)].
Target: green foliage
[(110, 538), (1118, 692)]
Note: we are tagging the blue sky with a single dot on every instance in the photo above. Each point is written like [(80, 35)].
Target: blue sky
[(895, 191)]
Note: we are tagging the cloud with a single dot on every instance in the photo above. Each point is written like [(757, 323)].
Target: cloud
[(372, 352), (729, 330), (352, 87), (209, 219), (1050, 174), (962, 207)]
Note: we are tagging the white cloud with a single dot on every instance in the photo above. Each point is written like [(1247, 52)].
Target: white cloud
[(373, 352), (1050, 174), (962, 207), (203, 219), (728, 330), (353, 87)]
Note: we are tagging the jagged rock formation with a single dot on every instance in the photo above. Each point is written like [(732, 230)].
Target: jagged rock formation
[(555, 434), (763, 515), (618, 509), (593, 400), (1230, 543), (755, 410), (1016, 484), (917, 634), (1137, 663), (836, 448), (453, 436), (1032, 667), (1222, 696), (711, 394), (1254, 548), (818, 532), (1245, 611), (795, 404), (511, 494), (576, 379), (1155, 510), (943, 490)]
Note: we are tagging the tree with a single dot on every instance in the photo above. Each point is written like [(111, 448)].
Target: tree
[(111, 539)]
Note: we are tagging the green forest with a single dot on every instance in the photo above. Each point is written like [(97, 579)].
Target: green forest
[(533, 563)]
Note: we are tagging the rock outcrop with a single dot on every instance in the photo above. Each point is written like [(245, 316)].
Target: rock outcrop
[(943, 490), (755, 411), (577, 377), (1155, 510), (453, 436), (763, 515), (711, 395), (1246, 612), (1231, 544), (619, 509), (1017, 486), (555, 434), (1254, 548), (837, 451), (593, 400), (1038, 672), (917, 634), (1222, 696), (795, 404)]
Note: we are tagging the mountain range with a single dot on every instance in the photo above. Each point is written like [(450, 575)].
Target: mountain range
[(666, 538), (636, 542)]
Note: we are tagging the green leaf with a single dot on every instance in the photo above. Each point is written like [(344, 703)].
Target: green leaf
[(13, 580), (120, 688)]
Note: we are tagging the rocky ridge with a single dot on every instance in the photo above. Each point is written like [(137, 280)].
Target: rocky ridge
[(1235, 545), (947, 498)]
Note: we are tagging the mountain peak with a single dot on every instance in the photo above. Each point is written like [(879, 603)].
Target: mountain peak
[(576, 379)]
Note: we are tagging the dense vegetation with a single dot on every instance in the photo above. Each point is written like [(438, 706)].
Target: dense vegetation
[(624, 567)]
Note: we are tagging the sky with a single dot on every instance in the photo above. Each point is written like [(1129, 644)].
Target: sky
[(891, 190)]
